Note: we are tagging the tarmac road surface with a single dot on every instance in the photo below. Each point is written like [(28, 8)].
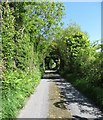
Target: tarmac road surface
[(75, 103)]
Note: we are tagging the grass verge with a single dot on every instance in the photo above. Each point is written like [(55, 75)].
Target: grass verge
[(16, 87)]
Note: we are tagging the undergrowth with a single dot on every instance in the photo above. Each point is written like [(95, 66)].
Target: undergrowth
[(16, 87)]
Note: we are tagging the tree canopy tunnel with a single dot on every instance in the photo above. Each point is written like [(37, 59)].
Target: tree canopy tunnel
[(52, 62)]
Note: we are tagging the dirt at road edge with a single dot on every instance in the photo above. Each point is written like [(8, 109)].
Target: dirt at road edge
[(56, 108)]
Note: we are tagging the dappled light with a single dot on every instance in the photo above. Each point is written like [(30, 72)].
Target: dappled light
[(73, 100), (39, 55)]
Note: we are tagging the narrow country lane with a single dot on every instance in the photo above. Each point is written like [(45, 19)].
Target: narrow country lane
[(56, 98), (37, 105)]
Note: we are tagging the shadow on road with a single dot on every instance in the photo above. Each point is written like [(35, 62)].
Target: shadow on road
[(76, 102), (73, 100), (51, 75), (75, 117)]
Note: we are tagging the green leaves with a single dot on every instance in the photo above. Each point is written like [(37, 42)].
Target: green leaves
[(80, 57), (71, 43), (7, 36), (27, 32)]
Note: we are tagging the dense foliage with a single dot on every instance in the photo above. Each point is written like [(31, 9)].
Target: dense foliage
[(82, 62), (26, 37), (32, 40)]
